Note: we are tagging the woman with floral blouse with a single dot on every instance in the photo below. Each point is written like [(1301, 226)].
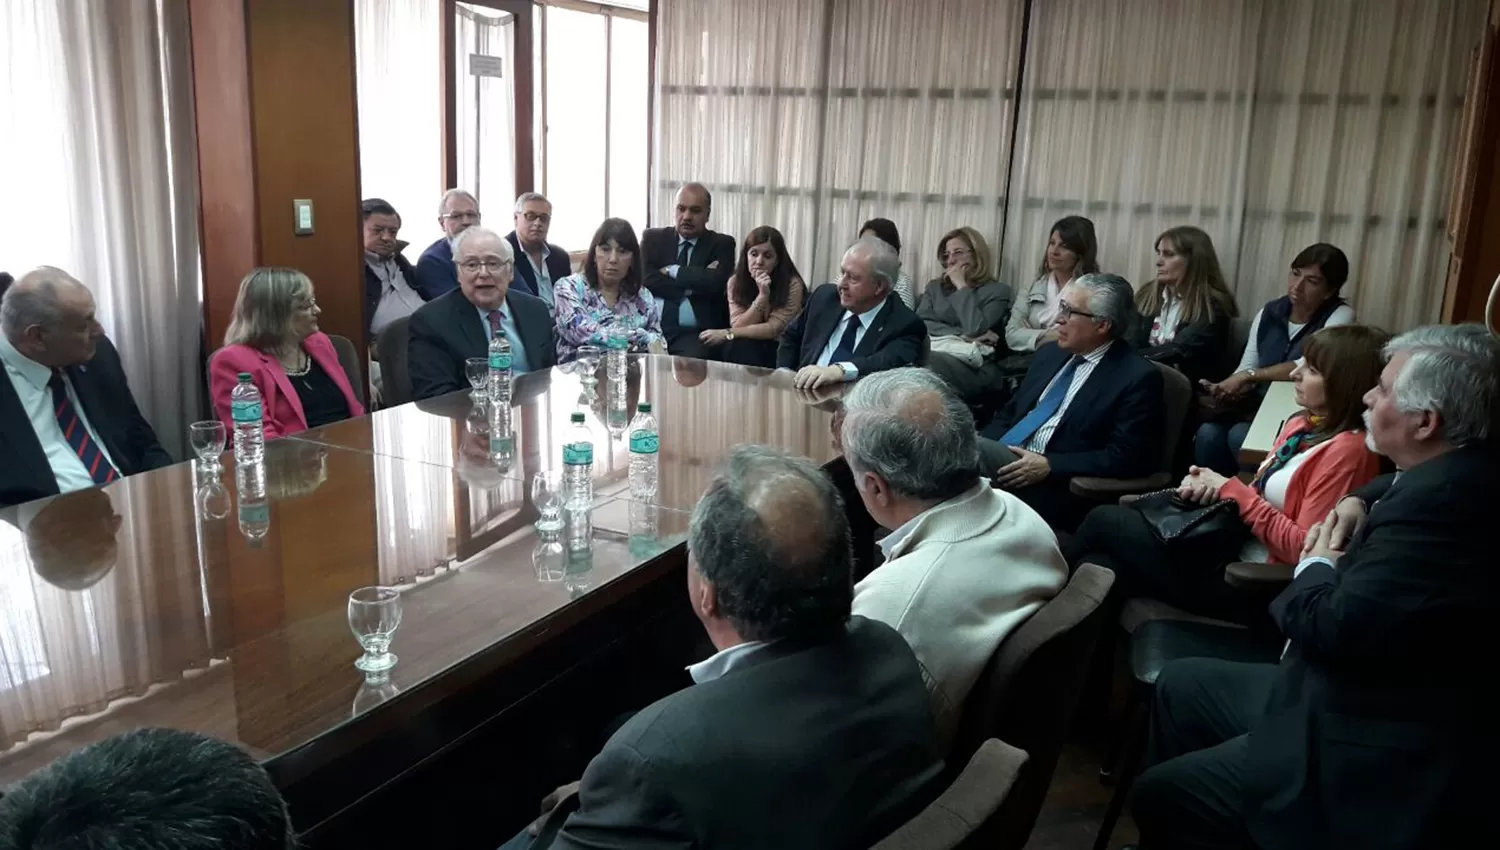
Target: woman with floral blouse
[(607, 295)]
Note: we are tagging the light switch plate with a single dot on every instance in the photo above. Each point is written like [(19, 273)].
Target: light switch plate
[(302, 217)]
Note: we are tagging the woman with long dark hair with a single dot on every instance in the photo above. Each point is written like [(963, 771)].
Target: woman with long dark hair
[(606, 295), (765, 294), (1185, 311), (1072, 252)]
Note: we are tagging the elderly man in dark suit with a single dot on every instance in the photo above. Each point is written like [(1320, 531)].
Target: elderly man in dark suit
[(1089, 405), (67, 418), (1376, 730), (539, 263), (455, 327), (807, 729), (457, 211), (853, 327), (688, 268)]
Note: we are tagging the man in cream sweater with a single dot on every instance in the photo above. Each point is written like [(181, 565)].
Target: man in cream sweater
[(965, 564)]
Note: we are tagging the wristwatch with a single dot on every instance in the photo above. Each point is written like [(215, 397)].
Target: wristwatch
[(1250, 373), (729, 335)]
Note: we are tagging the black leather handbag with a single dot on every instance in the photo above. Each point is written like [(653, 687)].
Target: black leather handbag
[(1178, 522)]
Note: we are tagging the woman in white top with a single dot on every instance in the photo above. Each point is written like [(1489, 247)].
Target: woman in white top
[(1072, 252), (1186, 310), (885, 230)]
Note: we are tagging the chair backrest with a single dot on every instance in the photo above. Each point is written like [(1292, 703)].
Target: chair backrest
[(1177, 397), (349, 359), (1028, 691), (959, 815), (395, 381)]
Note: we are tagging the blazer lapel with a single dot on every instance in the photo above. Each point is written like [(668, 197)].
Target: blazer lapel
[(328, 358), (21, 438), (98, 413), (476, 344), (871, 340), (829, 324), (283, 385), (1103, 375)]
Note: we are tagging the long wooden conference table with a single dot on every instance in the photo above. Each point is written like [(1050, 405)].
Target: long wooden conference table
[(178, 598)]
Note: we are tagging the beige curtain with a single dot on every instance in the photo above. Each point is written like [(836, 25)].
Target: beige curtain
[(1271, 124), (98, 147), (815, 116)]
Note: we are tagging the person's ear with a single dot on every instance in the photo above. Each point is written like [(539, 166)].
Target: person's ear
[(1429, 425)]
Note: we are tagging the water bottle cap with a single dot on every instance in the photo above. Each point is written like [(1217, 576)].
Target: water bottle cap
[(644, 407), (245, 378), (577, 417)]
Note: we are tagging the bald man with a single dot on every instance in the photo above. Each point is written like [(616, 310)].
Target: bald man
[(67, 419), (808, 728), (688, 268)]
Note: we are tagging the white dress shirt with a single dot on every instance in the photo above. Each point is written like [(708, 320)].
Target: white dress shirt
[(721, 662), (544, 289), (30, 381), (865, 318), (397, 298), (1038, 441)]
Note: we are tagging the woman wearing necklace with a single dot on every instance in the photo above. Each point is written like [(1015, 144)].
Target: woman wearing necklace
[(273, 337), (607, 295), (1320, 457)]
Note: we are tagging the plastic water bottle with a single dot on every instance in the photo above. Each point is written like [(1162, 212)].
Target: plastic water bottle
[(645, 441), (578, 466), (616, 343), (254, 509), (249, 429), (502, 437), (500, 368), (617, 415)]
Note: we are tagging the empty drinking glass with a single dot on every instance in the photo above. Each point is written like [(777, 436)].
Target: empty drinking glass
[(588, 362), (547, 494), (208, 440), (477, 369), (374, 614)]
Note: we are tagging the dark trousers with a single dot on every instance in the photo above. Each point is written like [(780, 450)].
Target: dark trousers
[(1056, 504), (1190, 798), (972, 383), (684, 342), (1188, 576), (751, 352)]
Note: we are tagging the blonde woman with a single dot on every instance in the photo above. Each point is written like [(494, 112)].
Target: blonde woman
[(274, 338), (965, 310), (1185, 310)]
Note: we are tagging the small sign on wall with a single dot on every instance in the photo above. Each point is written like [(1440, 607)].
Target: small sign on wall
[(486, 66)]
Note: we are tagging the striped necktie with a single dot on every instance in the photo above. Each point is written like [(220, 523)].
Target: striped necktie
[(76, 434)]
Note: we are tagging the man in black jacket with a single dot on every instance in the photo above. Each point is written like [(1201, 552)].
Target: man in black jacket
[(1376, 730), (1089, 405), (855, 327), (808, 729), (67, 418), (454, 327), (392, 289), (539, 263), (688, 268)]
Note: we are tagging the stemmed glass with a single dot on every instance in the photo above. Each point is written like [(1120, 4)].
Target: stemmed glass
[(374, 615), (547, 495), (208, 439), (477, 369)]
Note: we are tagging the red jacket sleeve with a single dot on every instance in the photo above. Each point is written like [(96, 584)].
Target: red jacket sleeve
[(1338, 469)]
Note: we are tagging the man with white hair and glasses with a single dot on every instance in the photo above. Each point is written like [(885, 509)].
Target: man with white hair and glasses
[(1376, 729)]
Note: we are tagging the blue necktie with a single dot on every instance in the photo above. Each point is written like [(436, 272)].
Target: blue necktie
[(845, 350), (1020, 432), (77, 435), (685, 316)]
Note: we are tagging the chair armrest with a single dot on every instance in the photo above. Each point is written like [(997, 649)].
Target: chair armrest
[(966, 804), (1111, 489), (1256, 576)]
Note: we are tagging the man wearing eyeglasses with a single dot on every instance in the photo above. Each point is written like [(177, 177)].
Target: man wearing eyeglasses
[(449, 330), (457, 211), (538, 262), (1089, 406)]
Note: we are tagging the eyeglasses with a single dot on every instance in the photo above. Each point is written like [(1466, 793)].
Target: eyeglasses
[(491, 266), (544, 218), (461, 216), (307, 306), (1064, 313)]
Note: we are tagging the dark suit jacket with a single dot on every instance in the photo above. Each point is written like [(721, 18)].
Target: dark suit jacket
[(558, 265), (1199, 350), (894, 339), (1112, 428), (708, 289), (446, 331), (807, 745), (372, 285), (1379, 731), (435, 269), (105, 397)]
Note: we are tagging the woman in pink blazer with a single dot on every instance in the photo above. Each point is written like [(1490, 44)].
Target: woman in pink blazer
[(273, 337)]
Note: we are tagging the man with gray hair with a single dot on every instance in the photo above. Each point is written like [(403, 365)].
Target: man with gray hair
[(539, 263), (808, 727), (457, 211), (68, 420), (1088, 406), (1376, 730), (966, 564), (853, 327)]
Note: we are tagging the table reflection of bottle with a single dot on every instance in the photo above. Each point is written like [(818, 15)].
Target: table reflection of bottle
[(645, 529), (502, 437), (254, 508), (577, 575), (618, 416)]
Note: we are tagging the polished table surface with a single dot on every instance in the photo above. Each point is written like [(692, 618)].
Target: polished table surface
[(175, 598)]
